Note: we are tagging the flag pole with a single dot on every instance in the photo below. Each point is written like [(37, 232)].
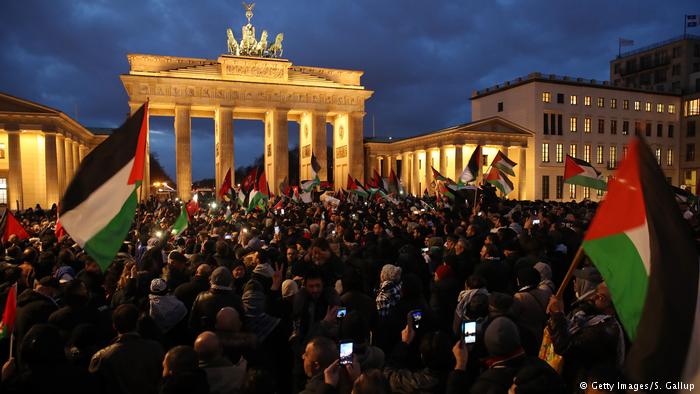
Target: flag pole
[(570, 273)]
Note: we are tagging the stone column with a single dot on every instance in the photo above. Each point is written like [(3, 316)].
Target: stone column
[(14, 179), (61, 163), (83, 151), (183, 153), (356, 144), (51, 163), (405, 173), (444, 161), (459, 162), (223, 142), (429, 170), (521, 172), (373, 162), (70, 169), (76, 156), (415, 179), (312, 141), (276, 148)]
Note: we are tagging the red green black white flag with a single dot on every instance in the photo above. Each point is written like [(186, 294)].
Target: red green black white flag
[(99, 204), (644, 250), (504, 164), (500, 181), (580, 172)]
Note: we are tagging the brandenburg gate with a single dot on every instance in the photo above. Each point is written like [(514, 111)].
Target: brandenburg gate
[(252, 81)]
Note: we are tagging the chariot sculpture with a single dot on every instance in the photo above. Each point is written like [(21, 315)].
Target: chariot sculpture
[(249, 44)]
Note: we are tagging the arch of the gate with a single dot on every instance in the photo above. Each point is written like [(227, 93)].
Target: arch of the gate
[(273, 91)]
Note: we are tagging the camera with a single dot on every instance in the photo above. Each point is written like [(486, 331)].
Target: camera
[(346, 349), (469, 331), (417, 315), (342, 311)]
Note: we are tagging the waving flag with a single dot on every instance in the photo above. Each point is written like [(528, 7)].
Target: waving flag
[(99, 204), (9, 313), (500, 181), (226, 185), (579, 172), (9, 225), (644, 250), (471, 171), (503, 163), (180, 223)]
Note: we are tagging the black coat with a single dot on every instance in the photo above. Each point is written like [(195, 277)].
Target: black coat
[(188, 292), (208, 304), (32, 308), (185, 383)]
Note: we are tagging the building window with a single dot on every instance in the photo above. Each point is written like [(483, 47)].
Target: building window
[(637, 128), (625, 104), (545, 187), (613, 156), (637, 106), (647, 129), (560, 125), (669, 157), (659, 108), (671, 109), (587, 125), (613, 103), (546, 97), (599, 154), (676, 69), (560, 153), (691, 129), (690, 152), (545, 153), (647, 107), (659, 130), (601, 102), (572, 150), (670, 131), (657, 154), (3, 191), (587, 101), (625, 127), (500, 106), (601, 126), (560, 98), (599, 193), (613, 127), (692, 107), (573, 99), (545, 120), (587, 153), (2, 151), (560, 187), (573, 124), (572, 192), (587, 193), (624, 152)]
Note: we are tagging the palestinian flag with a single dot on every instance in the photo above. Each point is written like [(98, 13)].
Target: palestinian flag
[(259, 195), (241, 198), (392, 185), (226, 185), (438, 177), (500, 181), (471, 171), (229, 214), (9, 225), (193, 206), (249, 180), (644, 250), (445, 191), (503, 163), (684, 196), (579, 172), (354, 187), (315, 166), (98, 207), (180, 223), (8, 315)]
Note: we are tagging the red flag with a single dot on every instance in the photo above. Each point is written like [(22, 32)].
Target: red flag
[(262, 185), (249, 180), (60, 231), (351, 183), (9, 225), (226, 185), (8, 316), (280, 204), (193, 206)]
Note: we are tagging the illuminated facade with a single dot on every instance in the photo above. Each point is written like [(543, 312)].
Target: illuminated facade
[(40, 150)]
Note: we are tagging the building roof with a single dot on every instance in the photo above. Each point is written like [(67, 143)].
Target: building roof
[(656, 45), (559, 79), (9, 103), (101, 130), (492, 125)]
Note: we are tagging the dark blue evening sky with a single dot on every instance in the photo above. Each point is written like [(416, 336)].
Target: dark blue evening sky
[(422, 58)]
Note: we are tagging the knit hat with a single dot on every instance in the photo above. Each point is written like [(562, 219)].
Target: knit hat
[(289, 288), (264, 270), (221, 279), (502, 337), (64, 274), (444, 271), (158, 286)]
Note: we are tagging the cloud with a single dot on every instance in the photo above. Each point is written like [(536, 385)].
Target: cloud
[(422, 59)]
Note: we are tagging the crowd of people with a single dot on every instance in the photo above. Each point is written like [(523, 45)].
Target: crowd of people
[(261, 302)]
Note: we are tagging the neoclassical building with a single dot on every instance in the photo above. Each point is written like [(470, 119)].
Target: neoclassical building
[(40, 150)]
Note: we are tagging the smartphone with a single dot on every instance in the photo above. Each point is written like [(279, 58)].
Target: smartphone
[(323, 215), (417, 315), (425, 250), (228, 236), (536, 221), (342, 311), (469, 331), (282, 210), (277, 229), (479, 214), (346, 353)]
